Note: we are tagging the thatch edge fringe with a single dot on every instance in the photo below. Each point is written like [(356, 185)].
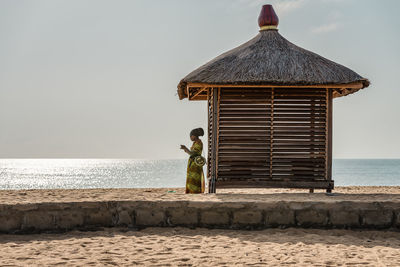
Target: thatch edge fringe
[(183, 84)]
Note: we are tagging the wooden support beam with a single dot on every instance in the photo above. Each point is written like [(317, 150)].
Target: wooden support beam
[(209, 135), (197, 93), (217, 128), (271, 133), (214, 162), (357, 85), (329, 136), (339, 89), (275, 184)]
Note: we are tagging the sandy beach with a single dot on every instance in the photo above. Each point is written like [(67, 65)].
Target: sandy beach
[(203, 247), (176, 246), (80, 195)]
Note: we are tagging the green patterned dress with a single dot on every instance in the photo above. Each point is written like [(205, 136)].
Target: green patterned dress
[(195, 176)]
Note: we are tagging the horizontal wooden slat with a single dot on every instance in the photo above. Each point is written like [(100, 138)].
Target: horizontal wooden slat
[(298, 137), (283, 115), (245, 101), (243, 123), (244, 164), (250, 145), (245, 119), (292, 97), (244, 106), (300, 177), (227, 129), (297, 149), (300, 124), (234, 171), (270, 183)]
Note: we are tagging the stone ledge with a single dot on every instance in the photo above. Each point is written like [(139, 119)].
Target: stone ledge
[(28, 218)]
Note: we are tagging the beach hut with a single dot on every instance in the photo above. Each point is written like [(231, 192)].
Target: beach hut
[(270, 111)]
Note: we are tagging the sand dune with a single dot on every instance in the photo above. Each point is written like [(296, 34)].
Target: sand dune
[(203, 247)]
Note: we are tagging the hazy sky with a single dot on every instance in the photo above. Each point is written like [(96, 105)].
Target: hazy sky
[(98, 78)]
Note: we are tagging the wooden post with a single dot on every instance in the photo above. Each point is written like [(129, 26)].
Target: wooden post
[(214, 141), (209, 126), (217, 137), (312, 125), (329, 138), (271, 134), (210, 137)]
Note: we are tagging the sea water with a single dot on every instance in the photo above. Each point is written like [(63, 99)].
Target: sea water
[(127, 173)]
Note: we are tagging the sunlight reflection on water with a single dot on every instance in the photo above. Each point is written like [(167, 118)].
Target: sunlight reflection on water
[(91, 173), (132, 173)]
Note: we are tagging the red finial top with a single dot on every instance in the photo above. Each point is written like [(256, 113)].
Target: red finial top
[(268, 19)]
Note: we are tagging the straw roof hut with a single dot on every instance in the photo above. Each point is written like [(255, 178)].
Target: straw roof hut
[(266, 63)]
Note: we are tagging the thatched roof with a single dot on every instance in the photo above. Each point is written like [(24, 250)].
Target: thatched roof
[(270, 59)]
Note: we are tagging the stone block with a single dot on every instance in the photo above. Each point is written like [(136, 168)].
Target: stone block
[(10, 222), (98, 217), (247, 217), (90, 205), (39, 220), (25, 207), (377, 218), (214, 218), (127, 205), (48, 206), (344, 218), (397, 219), (69, 219), (312, 217), (124, 219), (279, 217), (182, 216), (149, 217)]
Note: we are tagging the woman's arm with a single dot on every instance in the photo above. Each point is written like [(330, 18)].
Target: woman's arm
[(196, 150), (184, 148)]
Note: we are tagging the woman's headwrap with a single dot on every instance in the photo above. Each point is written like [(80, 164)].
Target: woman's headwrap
[(197, 132)]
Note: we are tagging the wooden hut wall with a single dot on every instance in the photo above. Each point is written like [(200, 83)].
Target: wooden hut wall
[(270, 137), (244, 141)]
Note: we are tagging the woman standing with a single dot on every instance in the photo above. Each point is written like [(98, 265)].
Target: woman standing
[(195, 176)]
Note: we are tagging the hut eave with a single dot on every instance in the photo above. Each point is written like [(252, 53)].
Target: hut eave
[(340, 89)]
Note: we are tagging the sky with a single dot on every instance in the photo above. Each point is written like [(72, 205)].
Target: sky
[(97, 79)]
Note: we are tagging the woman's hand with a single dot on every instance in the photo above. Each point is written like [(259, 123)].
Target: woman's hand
[(185, 149)]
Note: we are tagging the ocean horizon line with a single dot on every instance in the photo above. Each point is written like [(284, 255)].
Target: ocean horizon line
[(123, 158)]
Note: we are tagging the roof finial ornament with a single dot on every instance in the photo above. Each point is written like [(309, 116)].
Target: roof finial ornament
[(268, 20)]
